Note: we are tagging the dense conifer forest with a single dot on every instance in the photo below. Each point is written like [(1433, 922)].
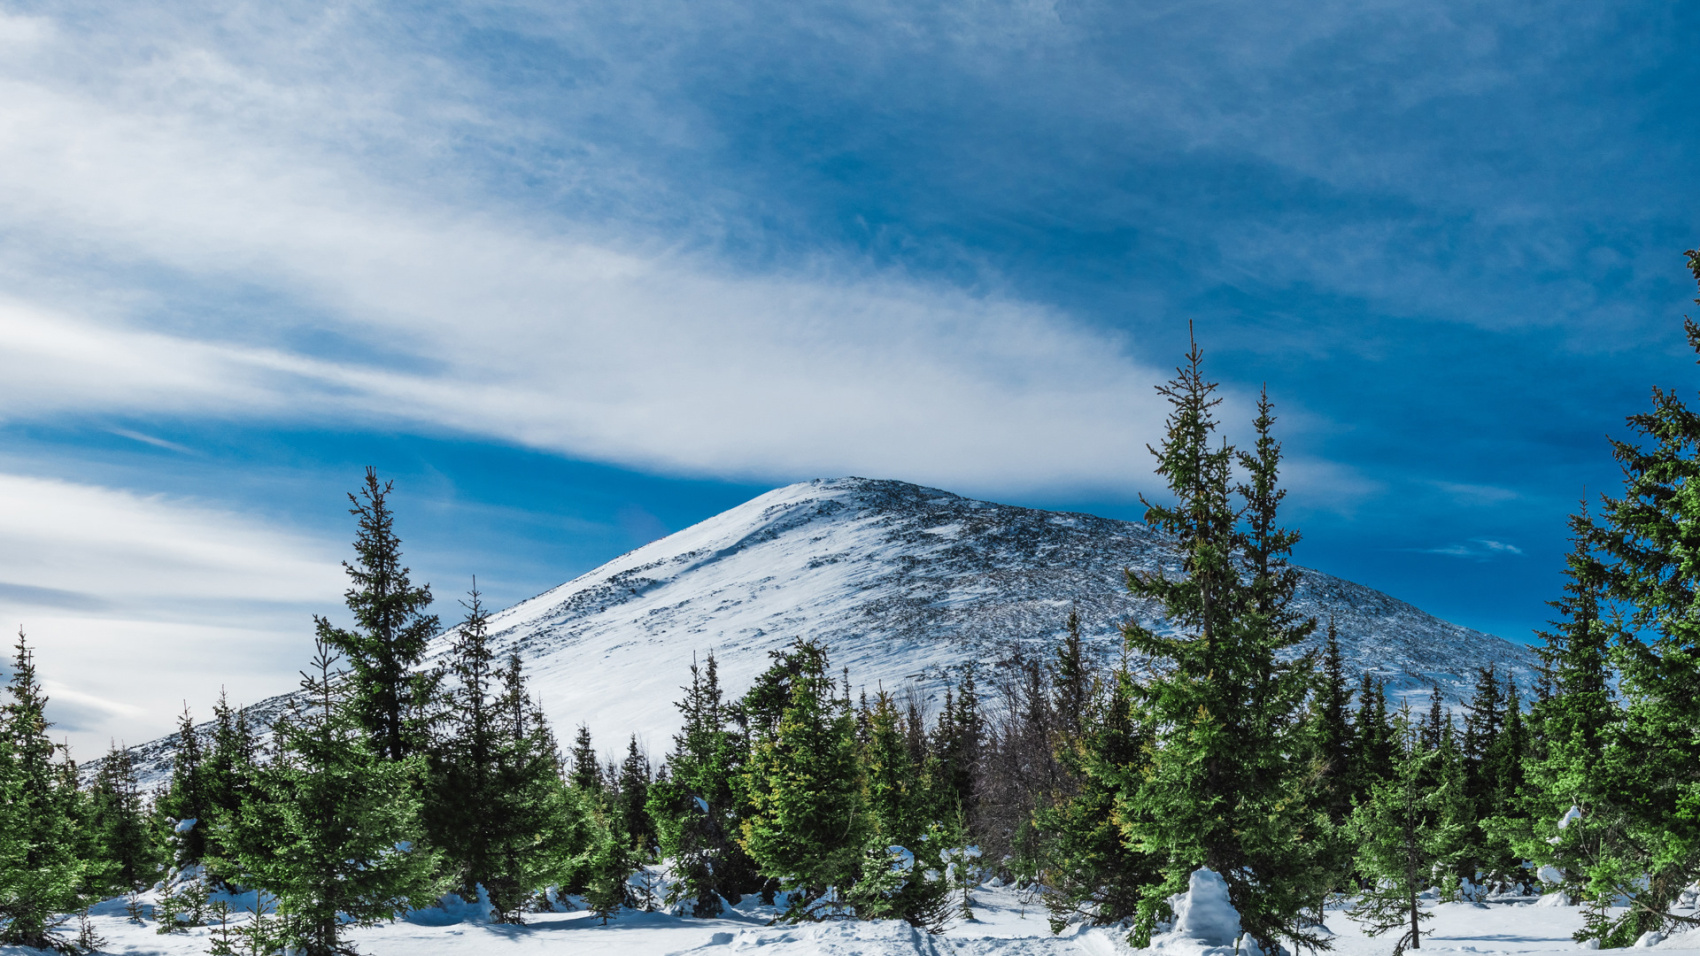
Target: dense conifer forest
[(1104, 785)]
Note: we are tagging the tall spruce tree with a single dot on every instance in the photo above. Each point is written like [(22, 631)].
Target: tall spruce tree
[(806, 825), (1373, 739), (227, 782), (43, 878), (1648, 538), (333, 831), (183, 807), (544, 828), (1578, 722), (901, 875), (497, 806), (1071, 679), (630, 805), (393, 699), (1222, 791), (1331, 731)]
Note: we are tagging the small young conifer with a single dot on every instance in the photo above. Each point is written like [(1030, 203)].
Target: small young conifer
[(1405, 831), (334, 832)]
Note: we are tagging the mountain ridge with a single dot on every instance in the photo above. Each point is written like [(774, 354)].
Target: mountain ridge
[(906, 585)]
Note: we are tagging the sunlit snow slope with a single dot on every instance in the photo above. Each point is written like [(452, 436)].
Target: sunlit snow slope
[(906, 585)]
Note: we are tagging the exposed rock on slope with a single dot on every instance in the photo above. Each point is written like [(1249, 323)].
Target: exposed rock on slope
[(906, 584)]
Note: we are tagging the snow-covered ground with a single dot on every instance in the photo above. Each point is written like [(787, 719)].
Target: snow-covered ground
[(1007, 923)]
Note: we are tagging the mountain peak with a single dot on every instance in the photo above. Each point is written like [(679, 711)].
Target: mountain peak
[(906, 585)]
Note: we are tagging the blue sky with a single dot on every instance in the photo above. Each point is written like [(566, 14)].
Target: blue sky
[(577, 275)]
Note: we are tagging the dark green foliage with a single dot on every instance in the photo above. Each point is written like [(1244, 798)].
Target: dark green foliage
[(587, 771), (1088, 869), (497, 806), (127, 857), (1071, 681), (805, 826), (183, 807), (696, 810), (956, 750), (1578, 724), (391, 699), (1649, 824), (1331, 732), (632, 799), (41, 876), (332, 827), (1405, 831), (1373, 739), (1222, 790)]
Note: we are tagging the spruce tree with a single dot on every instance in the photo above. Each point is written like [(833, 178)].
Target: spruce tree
[(958, 740), (1222, 791), (901, 871), (227, 773), (542, 827), (1373, 739), (896, 802), (183, 807), (44, 878), (392, 699), (333, 831), (633, 800), (587, 770), (1405, 831), (1578, 731), (127, 857), (696, 810), (1647, 538), (1089, 871), (806, 826), (1331, 731), (1071, 679)]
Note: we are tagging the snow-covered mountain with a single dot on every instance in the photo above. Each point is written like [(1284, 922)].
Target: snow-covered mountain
[(906, 585)]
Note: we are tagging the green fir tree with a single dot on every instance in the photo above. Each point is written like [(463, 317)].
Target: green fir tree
[(392, 699), (332, 833), (41, 876), (806, 827), (1227, 706), (1405, 832)]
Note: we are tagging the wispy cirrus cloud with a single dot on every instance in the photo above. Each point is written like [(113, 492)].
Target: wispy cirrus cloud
[(134, 602), (1475, 549)]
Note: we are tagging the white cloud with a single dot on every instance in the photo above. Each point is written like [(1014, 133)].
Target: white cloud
[(495, 323), (1475, 549), (135, 603)]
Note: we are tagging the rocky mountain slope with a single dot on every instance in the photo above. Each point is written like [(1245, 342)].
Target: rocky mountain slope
[(906, 585)]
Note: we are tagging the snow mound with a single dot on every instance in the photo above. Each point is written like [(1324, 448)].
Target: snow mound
[(1206, 923)]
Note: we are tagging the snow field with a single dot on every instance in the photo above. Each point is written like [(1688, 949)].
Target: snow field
[(1008, 922)]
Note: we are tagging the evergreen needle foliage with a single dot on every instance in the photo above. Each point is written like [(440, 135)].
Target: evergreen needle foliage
[(330, 834), (1222, 789)]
